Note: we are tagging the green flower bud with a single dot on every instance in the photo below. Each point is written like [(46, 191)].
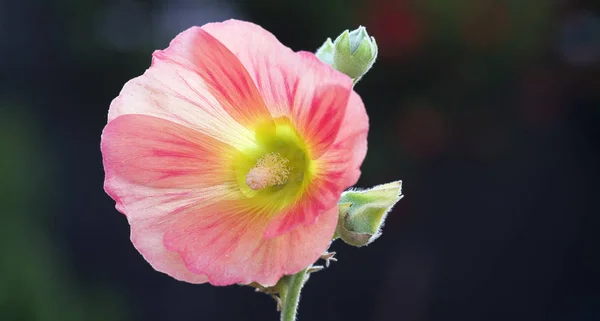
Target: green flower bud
[(352, 52), (362, 213)]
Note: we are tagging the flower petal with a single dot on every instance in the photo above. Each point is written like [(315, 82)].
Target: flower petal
[(265, 58), (172, 92), (224, 75), (156, 168), (147, 237), (320, 103), (343, 159), (224, 241), (294, 85), (146, 209), (321, 196), (155, 152), (297, 249)]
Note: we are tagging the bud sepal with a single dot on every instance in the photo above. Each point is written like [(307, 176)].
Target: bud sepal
[(326, 51)]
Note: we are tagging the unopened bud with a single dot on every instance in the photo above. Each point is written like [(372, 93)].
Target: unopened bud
[(362, 213), (352, 52)]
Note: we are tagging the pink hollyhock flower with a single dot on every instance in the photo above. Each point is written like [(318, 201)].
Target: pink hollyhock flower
[(229, 154)]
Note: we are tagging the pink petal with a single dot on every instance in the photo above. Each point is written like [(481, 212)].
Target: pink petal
[(321, 196), (172, 92), (146, 236), (155, 152), (224, 241), (224, 75), (198, 83), (320, 103), (294, 85), (156, 168), (297, 249), (343, 159), (146, 208)]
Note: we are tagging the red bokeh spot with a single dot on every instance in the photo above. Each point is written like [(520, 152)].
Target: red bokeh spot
[(395, 26)]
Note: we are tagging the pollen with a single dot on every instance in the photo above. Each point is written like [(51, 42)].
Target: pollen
[(270, 170)]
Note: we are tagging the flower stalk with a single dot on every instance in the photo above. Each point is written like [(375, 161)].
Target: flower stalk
[(290, 295)]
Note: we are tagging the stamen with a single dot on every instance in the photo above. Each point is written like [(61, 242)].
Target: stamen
[(270, 170)]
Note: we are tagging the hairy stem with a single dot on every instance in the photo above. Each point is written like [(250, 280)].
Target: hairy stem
[(292, 296)]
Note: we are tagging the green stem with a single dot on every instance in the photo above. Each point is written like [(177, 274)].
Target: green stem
[(292, 296)]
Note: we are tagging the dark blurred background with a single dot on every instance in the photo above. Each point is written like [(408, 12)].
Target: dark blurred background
[(487, 110)]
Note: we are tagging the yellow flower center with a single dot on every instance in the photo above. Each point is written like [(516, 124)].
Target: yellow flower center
[(270, 170), (275, 170)]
